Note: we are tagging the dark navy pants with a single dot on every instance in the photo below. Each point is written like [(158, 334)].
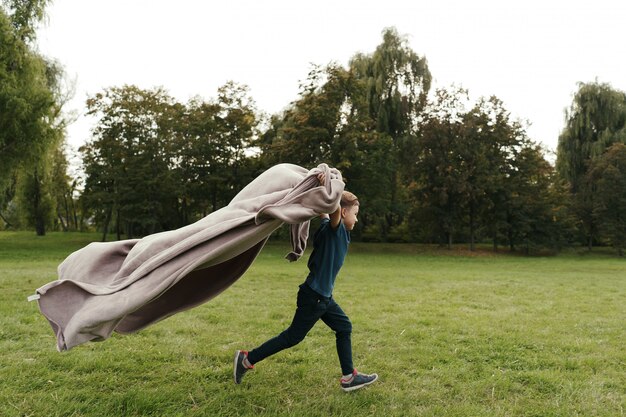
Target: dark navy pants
[(310, 308)]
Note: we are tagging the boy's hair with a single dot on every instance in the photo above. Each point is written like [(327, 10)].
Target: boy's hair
[(348, 200)]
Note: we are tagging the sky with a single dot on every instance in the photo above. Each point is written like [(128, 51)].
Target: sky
[(531, 54)]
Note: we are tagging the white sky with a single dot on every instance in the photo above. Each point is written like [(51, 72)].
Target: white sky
[(529, 53)]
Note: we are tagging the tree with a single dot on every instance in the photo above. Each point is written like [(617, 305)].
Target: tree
[(535, 204), (435, 169), (475, 173), (607, 176), (31, 123), (238, 131), (34, 196), (62, 189), (127, 163), (596, 119), (213, 149), (310, 128), (356, 119), (27, 101), (156, 164), (25, 15), (394, 83), (6, 201)]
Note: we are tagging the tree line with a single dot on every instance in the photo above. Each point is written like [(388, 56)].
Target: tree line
[(428, 166)]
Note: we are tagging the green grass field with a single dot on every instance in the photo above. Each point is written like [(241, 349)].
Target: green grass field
[(449, 333)]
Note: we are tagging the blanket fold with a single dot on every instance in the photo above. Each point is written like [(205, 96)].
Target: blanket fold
[(127, 285)]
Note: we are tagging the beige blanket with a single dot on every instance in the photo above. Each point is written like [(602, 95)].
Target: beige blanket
[(124, 286)]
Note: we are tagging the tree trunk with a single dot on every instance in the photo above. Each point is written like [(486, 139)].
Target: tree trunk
[(472, 227), (495, 237), (495, 229), (63, 225), (5, 220), (184, 209), (75, 216), (590, 242), (105, 229), (117, 225), (214, 199), (73, 209), (40, 226), (67, 213)]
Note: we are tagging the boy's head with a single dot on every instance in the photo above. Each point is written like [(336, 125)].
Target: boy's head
[(349, 209)]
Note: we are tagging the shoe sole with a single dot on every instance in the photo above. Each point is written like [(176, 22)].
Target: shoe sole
[(362, 385), (235, 367)]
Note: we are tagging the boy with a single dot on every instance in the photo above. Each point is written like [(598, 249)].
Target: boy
[(315, 301)]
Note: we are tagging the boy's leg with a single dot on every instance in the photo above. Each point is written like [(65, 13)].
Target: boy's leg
[(338, 321), (307, 313)]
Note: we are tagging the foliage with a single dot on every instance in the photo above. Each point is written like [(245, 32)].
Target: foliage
[(438, 170), (25, 15), (34, 197), (607, 176), (127, 163), (434, 169), (63, 189), (595, 120), (356, 118), (31, 123), (475, 173), (27, 101), (155, 164)]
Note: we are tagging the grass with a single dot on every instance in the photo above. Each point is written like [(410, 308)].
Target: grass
[(449, 333)]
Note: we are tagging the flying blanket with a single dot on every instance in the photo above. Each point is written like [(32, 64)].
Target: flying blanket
[(127, 285)]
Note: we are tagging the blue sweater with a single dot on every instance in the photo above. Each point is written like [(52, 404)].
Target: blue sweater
[(329, 251)]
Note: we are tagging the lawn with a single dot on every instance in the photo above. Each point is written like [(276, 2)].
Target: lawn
[(450, 333)]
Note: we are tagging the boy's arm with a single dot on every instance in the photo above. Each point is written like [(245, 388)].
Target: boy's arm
[(335, 217)]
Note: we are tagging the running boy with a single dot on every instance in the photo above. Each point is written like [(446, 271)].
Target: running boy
[(315, 300)]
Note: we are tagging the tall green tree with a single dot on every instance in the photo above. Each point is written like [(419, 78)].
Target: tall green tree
[(475, 173), (214, 148), (238, 130), (534, 207), (356, 119), (394, 82), (63, 189), (34, 196), (31, 123), (596, 119), (25, 15), (127, 162), (309, 130), (27, 103), (607, 176), (434, 167), (156, 164)]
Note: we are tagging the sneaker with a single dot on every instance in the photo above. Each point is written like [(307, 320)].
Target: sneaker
[(357, 381), (239, 369)]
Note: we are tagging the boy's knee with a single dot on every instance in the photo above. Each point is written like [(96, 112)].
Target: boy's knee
[(344, 329)]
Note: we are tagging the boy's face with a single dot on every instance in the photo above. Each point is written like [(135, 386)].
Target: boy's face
[(349, 215)]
